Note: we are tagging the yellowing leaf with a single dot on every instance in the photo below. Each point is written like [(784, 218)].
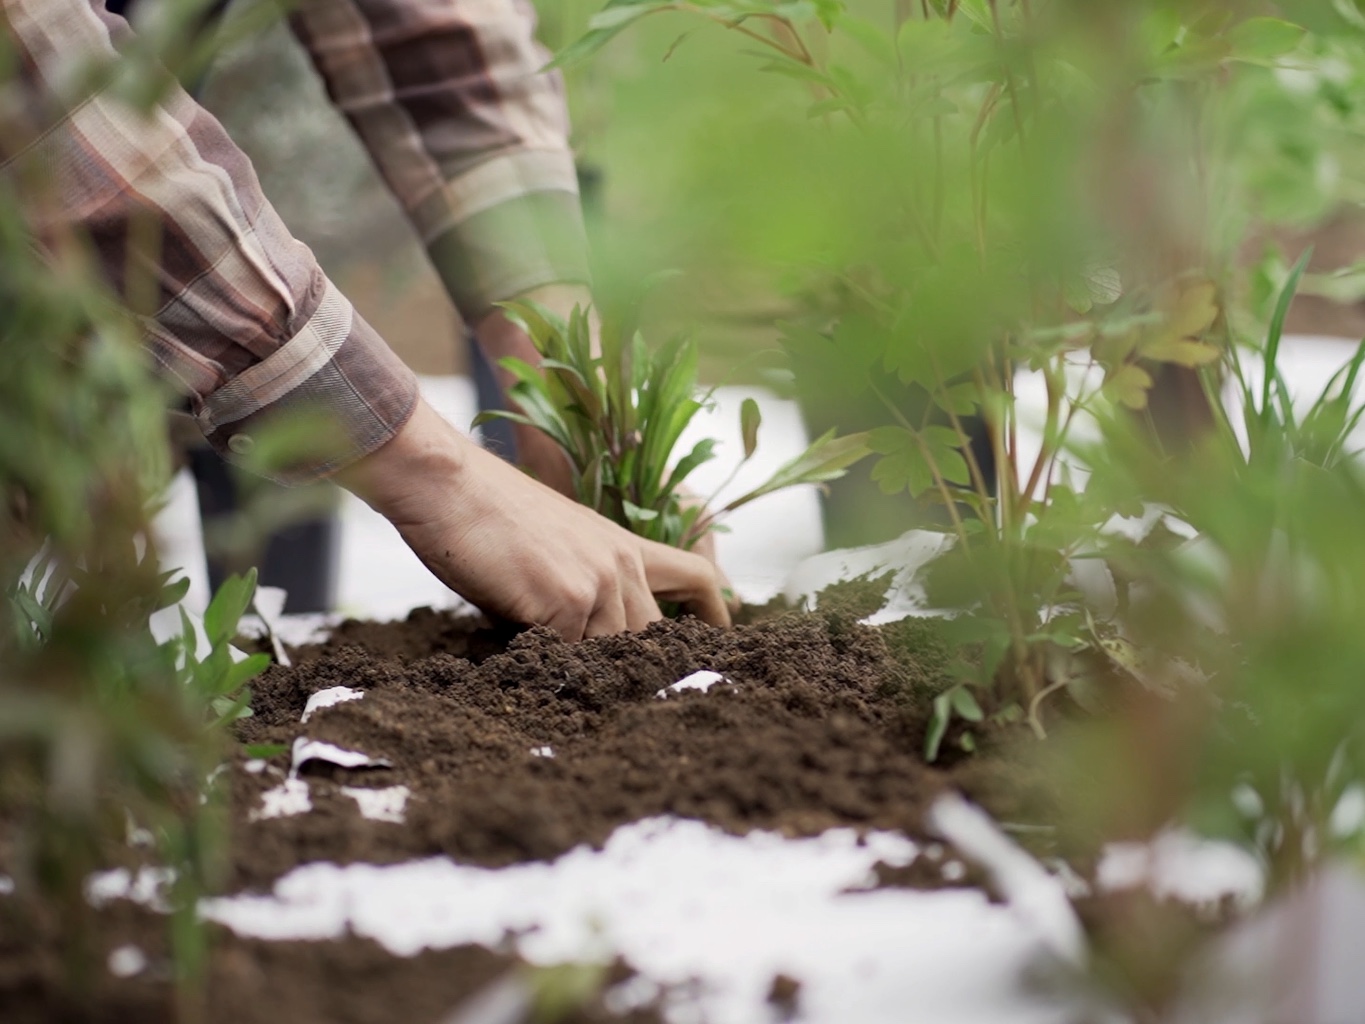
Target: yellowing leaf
[(1195, 311), (1129, 387), (1182, 352)]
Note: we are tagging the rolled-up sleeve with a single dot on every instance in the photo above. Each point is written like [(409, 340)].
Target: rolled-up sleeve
[(243, 319), (467, 128)]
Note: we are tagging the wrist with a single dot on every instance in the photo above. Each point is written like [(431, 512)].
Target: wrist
[(392, 479)]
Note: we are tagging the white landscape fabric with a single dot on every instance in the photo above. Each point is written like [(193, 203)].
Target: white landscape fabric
[(682, 901)]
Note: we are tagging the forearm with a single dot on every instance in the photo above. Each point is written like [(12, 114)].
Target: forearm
[(467, 129), (236, 312)]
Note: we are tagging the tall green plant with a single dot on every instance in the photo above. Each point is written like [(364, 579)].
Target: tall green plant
[(978, 189)]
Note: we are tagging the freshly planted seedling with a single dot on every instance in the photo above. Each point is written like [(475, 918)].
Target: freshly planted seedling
[(618, 417), (217, 680)]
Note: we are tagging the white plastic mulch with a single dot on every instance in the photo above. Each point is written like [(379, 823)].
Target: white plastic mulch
[(683, 902)]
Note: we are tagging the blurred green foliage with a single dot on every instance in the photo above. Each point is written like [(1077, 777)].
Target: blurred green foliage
[(940, 201), (105, 732), (945, 193)]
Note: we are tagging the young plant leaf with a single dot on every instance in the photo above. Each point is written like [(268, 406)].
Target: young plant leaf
[(242, 672), (938, 727), (227, 607), (603, 28), (264, 751), (39, 616), (173, 593), (1265, 40), (827, 459), (638, 515), (229, 709), (702, 452), (965, 705), (903, 466), (1129, 387), (750, 418)]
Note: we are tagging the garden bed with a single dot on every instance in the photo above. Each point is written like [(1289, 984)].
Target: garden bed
[(536, 746), (502, 747)]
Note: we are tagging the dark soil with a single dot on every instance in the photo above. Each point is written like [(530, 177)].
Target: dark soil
[(819, 727), (821, 723), (354, 981)]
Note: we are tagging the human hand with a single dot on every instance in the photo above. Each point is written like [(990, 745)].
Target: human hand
[(518, 549), (501, 337)]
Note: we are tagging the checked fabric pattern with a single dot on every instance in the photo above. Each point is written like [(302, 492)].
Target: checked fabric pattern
[(451, 102)]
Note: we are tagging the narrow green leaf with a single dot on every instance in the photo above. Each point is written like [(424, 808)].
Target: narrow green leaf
[(938, 727), (1276, 331), (173, 593), (965, 705), (750, 418), (228, 605), (603, 28), (39, 616), (264, 751), (189, 641), (702, 452), (229, 709), (242, 672), (827, 459), (638, 515)]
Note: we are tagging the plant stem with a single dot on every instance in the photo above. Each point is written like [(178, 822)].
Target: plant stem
[(738, 25), (784, 26), (1036, 723), (1010, 84), (969, 456), (1050, 435), (939, 482)]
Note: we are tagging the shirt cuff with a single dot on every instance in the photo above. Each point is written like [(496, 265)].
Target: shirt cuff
[(335, 386), (520, 226)]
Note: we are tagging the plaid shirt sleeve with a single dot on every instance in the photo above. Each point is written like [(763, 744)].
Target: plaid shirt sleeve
[(470, 133), (245, 321)]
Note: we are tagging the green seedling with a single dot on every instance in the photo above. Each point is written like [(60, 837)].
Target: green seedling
[(618, 417), (217, 680)]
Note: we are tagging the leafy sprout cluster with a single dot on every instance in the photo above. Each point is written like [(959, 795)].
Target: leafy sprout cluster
[(619, 416)]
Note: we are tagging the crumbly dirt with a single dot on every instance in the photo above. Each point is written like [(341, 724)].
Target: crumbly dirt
[(349, 981), (820, 723), (814, 729)]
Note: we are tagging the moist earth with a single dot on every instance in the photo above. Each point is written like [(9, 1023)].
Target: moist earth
[(249, 981), (819, 723), (811, 729)]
